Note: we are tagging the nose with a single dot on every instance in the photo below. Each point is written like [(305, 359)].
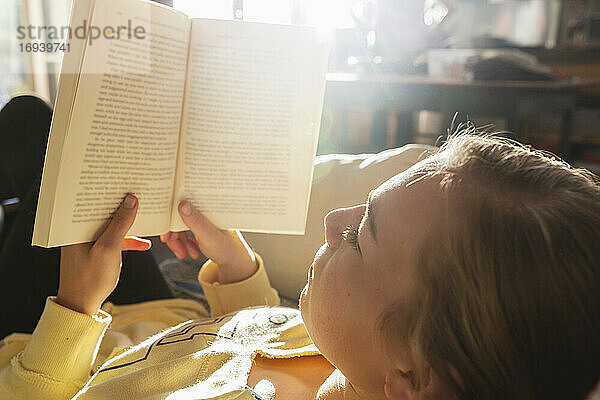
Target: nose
[(338, 220)]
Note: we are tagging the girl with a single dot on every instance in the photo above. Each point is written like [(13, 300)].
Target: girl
[(473, 275)]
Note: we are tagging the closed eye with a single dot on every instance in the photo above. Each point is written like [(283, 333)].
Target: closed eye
[(350, 235)]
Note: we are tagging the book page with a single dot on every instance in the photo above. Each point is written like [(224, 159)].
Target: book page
[(250, 124), (125, 123)]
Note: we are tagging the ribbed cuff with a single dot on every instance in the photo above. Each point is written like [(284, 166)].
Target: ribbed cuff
[(65, 342), (225, 298)]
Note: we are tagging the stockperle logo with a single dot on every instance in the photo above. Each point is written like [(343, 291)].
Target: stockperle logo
[(91, 32)]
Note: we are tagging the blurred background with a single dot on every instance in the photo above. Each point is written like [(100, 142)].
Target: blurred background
[(406, 70)]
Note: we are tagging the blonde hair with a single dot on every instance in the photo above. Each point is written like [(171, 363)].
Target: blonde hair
[(508, 293)]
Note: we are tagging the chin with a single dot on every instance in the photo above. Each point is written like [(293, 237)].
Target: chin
[(304, 303), (319, 260)]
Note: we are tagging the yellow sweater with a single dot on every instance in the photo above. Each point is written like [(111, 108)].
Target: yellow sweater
[(157, 349)]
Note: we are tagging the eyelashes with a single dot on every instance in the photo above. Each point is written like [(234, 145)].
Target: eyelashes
[(350, 235)]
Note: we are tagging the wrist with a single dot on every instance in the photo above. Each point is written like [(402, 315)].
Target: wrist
[(238, 271), (77, 306)]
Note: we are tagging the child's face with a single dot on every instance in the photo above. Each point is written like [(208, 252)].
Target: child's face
[(347, 289)]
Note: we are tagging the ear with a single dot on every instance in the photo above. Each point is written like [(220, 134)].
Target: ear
[(399, 385)]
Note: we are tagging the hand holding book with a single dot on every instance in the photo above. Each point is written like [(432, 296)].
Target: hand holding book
[(226, 247), (89, 272)]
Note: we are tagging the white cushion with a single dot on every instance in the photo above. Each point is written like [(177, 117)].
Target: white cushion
[(339, 180)]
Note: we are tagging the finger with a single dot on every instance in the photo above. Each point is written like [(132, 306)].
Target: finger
[(136, 243), (165, 237), (119, 225), (176, 246), (210, 238), (191, 246), (182, 241)]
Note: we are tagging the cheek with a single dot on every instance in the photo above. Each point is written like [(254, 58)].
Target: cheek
[(334, 308), (341, 325), (333, 287)]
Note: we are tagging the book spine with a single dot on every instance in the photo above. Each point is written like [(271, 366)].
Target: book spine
[(81, 10), (176, 182)]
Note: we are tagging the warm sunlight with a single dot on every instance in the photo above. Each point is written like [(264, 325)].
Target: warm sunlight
[(323, 14)]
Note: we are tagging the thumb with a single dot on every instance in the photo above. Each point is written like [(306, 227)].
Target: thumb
[(209, 237), (119, 225)]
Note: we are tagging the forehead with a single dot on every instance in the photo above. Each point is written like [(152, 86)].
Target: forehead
[(406, 206), (409, 176)]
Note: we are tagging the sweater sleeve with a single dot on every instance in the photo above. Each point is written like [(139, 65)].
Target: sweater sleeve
[(56, 362), (224, 298)]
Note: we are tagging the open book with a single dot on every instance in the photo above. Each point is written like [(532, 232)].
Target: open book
[(224, 113)]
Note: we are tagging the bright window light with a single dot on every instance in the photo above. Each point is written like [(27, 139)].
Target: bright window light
[(324, 14), (220, 9), (434, 12), (274, 11), (329, 14)]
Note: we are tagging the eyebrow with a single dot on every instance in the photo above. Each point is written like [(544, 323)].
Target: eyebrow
[(371, 216)]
